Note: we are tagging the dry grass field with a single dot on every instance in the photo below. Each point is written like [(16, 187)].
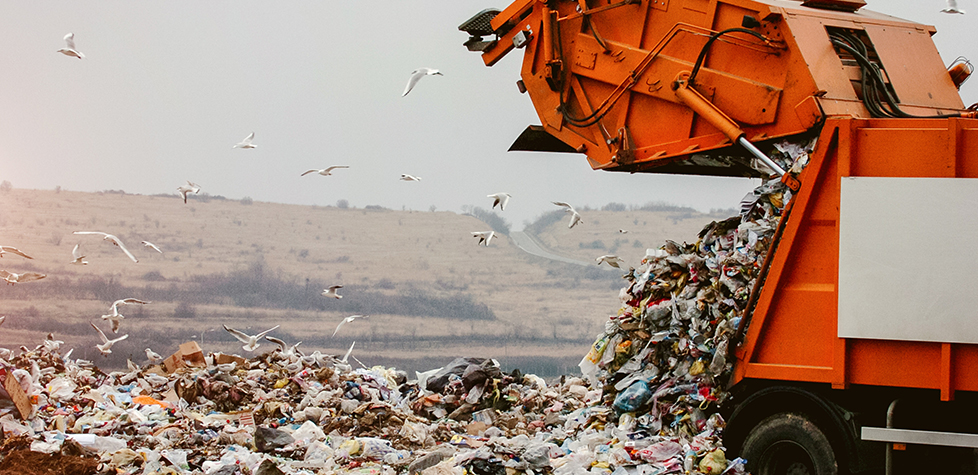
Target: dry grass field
[(430, 291)]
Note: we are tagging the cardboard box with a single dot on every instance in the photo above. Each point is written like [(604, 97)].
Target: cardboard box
[(221, 358), (189, 354), (18, 396)]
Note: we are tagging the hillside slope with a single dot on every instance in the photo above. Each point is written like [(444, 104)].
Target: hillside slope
[(431, 292)]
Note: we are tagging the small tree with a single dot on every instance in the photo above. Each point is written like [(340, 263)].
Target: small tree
[(6, 186), (342, 204)]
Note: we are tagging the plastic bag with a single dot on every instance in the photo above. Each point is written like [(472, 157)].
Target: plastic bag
[(633, 397)]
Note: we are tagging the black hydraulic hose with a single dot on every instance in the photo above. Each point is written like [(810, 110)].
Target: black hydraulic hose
[(709, 42), (875, 86)]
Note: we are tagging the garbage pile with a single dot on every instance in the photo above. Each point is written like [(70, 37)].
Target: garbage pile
[(647, 403)]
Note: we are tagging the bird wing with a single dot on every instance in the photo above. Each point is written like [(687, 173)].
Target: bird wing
[(249, 138), (74, 253), (14, 250), (280, 343), (241, 336), (29, 276), (99, 330), (568, 207), (347, 355), (91, 232), (310, 171), (126, 301), (118, 242), (70, 39), (334, 287), (2, 319), (258, 336), (117, 340), (336, 166), (416, 76), (340, 325)]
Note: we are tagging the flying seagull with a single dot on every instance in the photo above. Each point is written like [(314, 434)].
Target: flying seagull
[(416, 76), (13, 278), (70, 50), (190, 187), (246, 143), (325, 171), (575, 216), (499, 199), (115, 240), (484, 236), (347, 320), (331, 292), (153, 356), (952, 7), (151, 246), (2, 319), (611, 259), (78, 257), (13, 250), (115, 317), (250, 341), (407, 177), (106, 347)]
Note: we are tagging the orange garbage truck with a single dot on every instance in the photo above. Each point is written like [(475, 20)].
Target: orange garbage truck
[(858, 351)]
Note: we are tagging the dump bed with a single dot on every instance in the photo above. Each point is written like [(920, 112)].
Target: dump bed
[(872, 278)]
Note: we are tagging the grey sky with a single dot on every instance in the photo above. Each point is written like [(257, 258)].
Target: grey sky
[(167, 88)]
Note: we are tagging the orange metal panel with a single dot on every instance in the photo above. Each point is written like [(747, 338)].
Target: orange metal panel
[(914, 67), (908, 364)]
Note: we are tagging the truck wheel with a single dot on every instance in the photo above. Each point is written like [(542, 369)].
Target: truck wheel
[(788, 444)]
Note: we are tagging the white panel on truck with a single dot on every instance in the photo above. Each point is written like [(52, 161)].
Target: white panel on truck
[(908, 259)]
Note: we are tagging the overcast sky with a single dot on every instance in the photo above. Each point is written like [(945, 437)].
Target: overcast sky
[(167, 88)]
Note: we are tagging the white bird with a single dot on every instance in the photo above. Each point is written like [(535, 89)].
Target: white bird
[(115, 317), (246, 143), (611, 259), (106, 347), (416, 76), (952, 7), (115, 240), (190, 187), (331, 292), (623, 231), (407, 177), (575, 216), (51, 344), (151, 246), (348, 320), (250, 341), (484, 236), (70, 50), (13, 278), (153, 356), (13, 250), (324, 171), (286, 350), (499, 199), (78, 257), (2, 319)]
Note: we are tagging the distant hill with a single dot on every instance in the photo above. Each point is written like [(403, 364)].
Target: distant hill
[(430, 291)]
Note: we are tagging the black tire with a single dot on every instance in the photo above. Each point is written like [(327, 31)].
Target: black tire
[(788, 444)]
